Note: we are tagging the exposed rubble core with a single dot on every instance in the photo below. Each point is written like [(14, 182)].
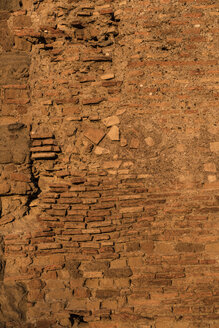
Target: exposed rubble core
[(109, 164)]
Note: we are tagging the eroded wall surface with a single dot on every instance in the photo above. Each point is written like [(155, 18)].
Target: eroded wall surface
[(109, 164)]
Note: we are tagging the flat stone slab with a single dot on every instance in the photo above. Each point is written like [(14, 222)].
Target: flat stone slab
[(94, 135)]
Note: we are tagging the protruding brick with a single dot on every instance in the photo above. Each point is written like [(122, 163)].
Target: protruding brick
[(43, 155)]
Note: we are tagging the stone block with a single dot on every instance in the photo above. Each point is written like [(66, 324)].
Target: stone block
[(110, 121), (118, 273), (14, 67), (113, 133), (81, 292), (94, 135), (101, 151), (134, 143), (118, 264), (5, 156), (164, 248)]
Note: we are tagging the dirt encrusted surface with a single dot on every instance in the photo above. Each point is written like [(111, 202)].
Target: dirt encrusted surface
[(109, 163)]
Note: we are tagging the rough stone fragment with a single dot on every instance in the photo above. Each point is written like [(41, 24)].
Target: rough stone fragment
[(134, 143), (101, 151), (149, 141), (113, 134), (123, 142), (112, 120), (94, 135)]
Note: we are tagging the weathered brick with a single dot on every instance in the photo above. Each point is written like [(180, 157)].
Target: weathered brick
[(56, 212), (189, 247), (48, 246), (107, 293), (35, 135), (118, 273), (136, 209)]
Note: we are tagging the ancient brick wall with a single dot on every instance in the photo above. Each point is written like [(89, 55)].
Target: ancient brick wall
[(109, 163)]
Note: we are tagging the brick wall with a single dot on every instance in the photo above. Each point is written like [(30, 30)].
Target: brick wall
[(109, 164)]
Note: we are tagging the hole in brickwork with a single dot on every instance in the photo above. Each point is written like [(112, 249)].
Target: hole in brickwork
[(21, 4), (113, 19), (41, 39), (68, 38), (164, 48), (76, 319), (78, 26)]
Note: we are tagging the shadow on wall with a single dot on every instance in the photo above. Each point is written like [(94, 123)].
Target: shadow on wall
[(17, 185), (12, 298)]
